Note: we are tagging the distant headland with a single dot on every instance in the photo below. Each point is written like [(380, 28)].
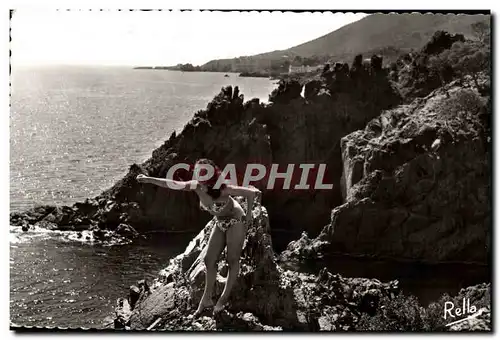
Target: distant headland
[(179, 67)]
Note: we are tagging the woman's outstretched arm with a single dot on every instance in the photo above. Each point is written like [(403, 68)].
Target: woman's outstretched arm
[(168, 183)]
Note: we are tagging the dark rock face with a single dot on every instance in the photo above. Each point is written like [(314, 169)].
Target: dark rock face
[(285, 92), (310, 132), (122, 234), (266, 297), (426, 182), (376, 63), (50, 217), (312, 89), (478, 322), (302, 250), (31, 216)]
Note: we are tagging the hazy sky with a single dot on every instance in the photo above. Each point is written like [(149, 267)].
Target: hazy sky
[(160, 38)]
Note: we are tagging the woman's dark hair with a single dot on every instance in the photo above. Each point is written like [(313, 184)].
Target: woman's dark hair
[(210, 183)]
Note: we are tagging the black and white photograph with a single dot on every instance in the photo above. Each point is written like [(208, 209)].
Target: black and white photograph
[(250, 171)]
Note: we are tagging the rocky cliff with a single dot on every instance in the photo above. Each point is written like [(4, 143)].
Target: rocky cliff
[(416, 183), (265, 297), (268, 297)]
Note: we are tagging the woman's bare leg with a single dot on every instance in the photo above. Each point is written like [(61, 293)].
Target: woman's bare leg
[(215, 246), (235, 236)]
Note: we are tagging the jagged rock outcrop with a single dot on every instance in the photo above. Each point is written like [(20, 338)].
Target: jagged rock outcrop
[(225, 132), (309, 131), (290, 130), (285, 92), (416, 183), (415, 73), (266, 297), (126, 231), (441, 41)]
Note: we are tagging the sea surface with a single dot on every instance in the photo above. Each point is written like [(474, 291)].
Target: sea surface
[(57, 281), (74, 132)]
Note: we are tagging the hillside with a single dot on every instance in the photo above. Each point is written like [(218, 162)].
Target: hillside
[(405, 31), (386, 34)]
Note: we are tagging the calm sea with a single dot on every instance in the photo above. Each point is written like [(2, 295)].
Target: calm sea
[(75, 131)]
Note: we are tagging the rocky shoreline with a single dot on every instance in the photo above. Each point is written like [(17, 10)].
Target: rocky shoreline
[(410, 160), (268, 297)]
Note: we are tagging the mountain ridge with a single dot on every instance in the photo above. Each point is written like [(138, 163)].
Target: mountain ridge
[(389, 34)]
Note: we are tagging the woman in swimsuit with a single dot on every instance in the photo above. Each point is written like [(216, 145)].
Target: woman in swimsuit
[(231, 224)]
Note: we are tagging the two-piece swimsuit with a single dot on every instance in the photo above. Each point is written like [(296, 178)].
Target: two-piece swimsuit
[(222, 222)]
